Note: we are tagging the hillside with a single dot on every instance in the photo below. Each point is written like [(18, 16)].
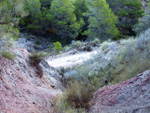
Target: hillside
[(131, 96), (22, 90), (74, 56), (26, 88)]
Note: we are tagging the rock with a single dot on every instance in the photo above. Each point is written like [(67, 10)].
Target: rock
[(21, 89), (131, 96), (51, 74), (61, 70), (32, 43), (87, 48), (72, 52)]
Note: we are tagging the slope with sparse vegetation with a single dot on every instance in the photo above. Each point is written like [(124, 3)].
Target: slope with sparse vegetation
[(93, 44)]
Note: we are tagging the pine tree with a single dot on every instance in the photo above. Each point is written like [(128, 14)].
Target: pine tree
[(64, 21), (102, 21), (37, 20), (46, 3), (33, 21), (115, 6), (80, 9), (128, 12)]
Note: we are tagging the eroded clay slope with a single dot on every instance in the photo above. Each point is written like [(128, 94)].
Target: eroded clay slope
[(21, 88), (131, 96)]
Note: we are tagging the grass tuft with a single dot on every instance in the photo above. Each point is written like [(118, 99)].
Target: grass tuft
[(75, 98), (36, 57), (8, 54)]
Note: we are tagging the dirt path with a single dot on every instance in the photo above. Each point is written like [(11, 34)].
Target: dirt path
[(67, 60)]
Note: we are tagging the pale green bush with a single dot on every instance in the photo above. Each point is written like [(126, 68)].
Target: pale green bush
[(95, 42), (8, 54), (77, 44), (104, 45)]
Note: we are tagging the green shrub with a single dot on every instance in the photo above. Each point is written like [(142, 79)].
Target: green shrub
[(75, 98), (8, 54), (96, 42), (127, 41), (57, 46), (93, 78), (79, 94), (36, 57), (102, 23), (104, 45), (77, 44), (128, 12)]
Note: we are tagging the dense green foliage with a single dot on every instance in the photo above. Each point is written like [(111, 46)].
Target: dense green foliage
[(80, 9), (66, 20), (37, 19), (128, 12), (102, 21)]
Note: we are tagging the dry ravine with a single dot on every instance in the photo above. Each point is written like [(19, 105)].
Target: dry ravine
[(25, 88)]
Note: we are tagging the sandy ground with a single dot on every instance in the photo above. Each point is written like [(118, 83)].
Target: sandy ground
[(67, 60)]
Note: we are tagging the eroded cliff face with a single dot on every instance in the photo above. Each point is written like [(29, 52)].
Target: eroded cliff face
[(131, 96), (22, 90)]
